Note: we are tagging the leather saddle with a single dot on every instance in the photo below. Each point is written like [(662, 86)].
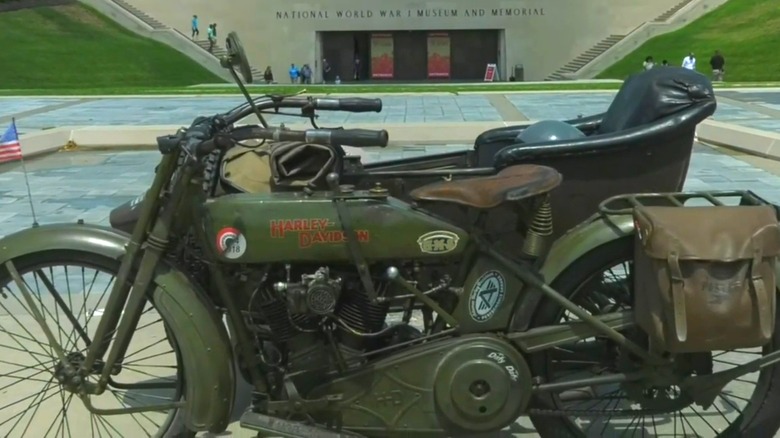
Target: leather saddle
[(510, 184)]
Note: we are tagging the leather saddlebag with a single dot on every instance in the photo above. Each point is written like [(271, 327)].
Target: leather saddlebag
[(704, 277)]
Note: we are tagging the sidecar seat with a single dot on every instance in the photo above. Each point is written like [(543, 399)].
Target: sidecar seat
[(641, 144), (643, 98)]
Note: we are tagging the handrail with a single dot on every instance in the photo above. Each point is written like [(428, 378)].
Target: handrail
[(122, 4)]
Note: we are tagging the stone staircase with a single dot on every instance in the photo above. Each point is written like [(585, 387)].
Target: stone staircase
[(602, 46), (218, 51), (668, 14), (154, 24), (589, 55)]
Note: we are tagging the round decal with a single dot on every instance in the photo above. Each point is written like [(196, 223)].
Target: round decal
[(231, 244), (486, 296)]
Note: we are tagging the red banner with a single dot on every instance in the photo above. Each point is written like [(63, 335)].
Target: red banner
[(438, 55), (381, 56)]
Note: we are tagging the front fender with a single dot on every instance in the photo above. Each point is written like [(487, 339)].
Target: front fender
[(196, 325), (589, 235)]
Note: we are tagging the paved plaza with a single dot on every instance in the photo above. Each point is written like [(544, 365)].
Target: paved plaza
[(759, 110), (68, 186)]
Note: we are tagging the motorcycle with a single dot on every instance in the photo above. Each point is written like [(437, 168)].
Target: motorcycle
[(355, 314)]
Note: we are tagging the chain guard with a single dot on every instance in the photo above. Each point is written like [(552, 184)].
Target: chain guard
[(464, 386)]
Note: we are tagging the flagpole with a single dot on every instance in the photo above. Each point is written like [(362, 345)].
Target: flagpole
[(26, 179)]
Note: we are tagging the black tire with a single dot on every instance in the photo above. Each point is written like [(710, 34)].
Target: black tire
[(174, 425), (759, 418)]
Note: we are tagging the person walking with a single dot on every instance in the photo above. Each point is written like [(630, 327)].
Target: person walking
[(325, 71), (294, 73), (268, 75), (649, 63), (195, 30), (306, 74), (689, 62), (717, 62), (212, 36)]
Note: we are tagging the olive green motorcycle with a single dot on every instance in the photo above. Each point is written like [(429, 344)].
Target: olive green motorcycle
[(354, 314)]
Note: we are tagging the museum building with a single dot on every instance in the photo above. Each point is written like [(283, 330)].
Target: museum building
[(416, 40)]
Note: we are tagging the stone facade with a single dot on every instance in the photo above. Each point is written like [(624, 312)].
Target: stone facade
[(540, 34)]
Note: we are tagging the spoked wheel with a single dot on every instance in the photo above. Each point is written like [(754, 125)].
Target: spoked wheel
[(601, 282), (70, 290)]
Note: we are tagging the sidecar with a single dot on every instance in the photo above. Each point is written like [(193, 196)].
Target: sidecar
[(642, 143)]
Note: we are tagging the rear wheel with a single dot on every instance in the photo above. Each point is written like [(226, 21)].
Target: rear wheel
[(70, 289), (601, 282)]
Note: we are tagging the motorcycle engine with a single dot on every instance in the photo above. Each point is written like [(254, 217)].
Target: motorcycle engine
[(315, 294), (320, 294)]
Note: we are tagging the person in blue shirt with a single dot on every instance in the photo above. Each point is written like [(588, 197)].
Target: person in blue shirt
[(294, 73), (212, 35), (195, 30)]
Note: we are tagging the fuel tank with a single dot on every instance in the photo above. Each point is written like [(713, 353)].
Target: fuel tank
[(295, 227)]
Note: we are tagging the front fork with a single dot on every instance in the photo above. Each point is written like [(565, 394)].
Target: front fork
[(126, 301)]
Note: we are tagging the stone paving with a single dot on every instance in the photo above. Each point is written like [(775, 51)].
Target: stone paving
[(744, 108)]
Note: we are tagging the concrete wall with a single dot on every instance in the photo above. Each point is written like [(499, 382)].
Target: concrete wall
[(540, 34), (166, 36), (690, 13)]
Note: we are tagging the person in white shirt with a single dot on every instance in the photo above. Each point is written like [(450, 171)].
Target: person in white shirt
[(689, 62), (649, 63)]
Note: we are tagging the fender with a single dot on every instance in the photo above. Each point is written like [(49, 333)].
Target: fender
[(594, 232), (202, 339)]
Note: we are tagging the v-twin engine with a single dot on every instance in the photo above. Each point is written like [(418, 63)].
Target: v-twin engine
[(294, 307)]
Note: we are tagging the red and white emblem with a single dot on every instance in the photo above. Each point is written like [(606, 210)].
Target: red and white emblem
[(231, 244)]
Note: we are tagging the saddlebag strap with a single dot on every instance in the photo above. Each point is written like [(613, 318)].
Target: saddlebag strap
[(678, 295), (759, 290)]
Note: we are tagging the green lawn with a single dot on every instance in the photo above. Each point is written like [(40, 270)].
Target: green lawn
[(747, 32), (61, 47)]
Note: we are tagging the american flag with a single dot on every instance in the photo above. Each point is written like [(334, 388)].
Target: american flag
[(10, 149)]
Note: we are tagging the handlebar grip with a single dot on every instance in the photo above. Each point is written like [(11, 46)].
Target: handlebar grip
[(168, 143), (350, 104), (360, 105), (360, 137)]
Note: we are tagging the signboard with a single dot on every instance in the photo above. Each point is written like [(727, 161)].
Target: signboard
[(438, 55), (490, 73), (381, 56)]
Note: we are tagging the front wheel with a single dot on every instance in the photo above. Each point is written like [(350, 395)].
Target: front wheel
[(70, 289), (601, 282)]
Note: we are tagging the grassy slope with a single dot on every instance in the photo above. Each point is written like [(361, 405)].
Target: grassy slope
[(747, 32), (73, 46)]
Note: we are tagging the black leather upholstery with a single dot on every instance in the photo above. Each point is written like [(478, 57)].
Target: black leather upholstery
[(654, 95), (662, 104)]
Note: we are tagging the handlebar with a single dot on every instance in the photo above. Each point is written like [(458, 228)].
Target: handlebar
[(350, 104), (199, 142), (341, 137), (199, 139)]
